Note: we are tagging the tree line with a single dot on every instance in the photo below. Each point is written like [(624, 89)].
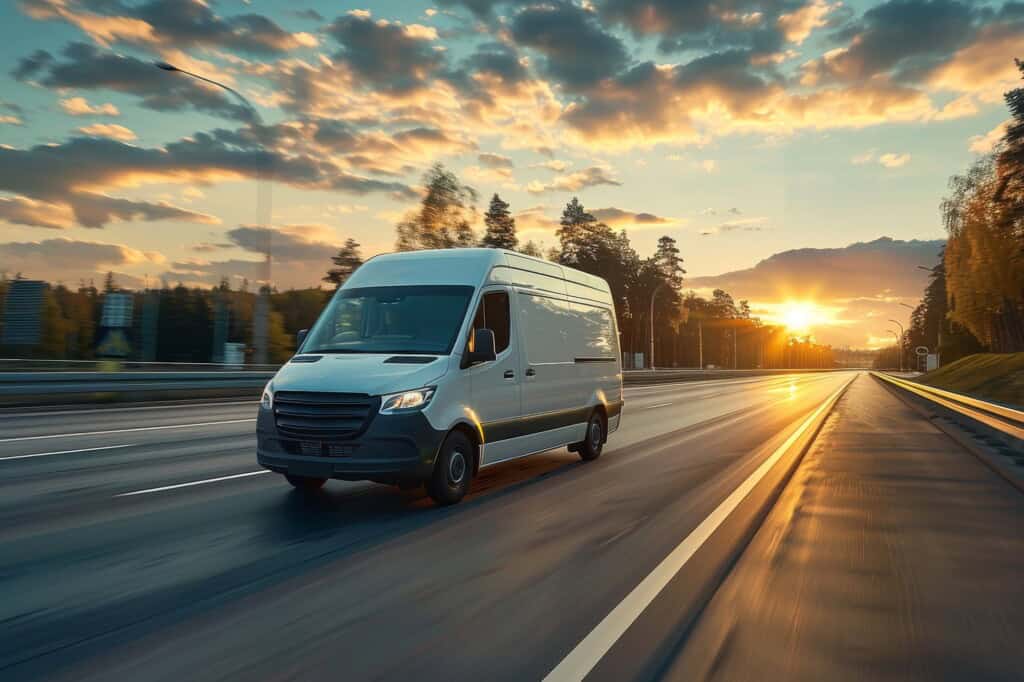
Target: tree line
[(974, 300), (689, 330)]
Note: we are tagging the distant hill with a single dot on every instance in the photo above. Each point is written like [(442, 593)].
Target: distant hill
[(872, 269)]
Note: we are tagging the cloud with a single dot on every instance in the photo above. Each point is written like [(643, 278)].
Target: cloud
[(19, 210), (574, 182), (905, 38), (300, 253), (577, 51), (169, 23), (11, 119), (111, 130), (983, 144), (63, 260), (77, 171), (535, 219), (495, 160), (797, 26), (894, 160), (618, 217), (861, 159), (389, 56), (87, 68), (79, 106), (709, 165), (553, 164)]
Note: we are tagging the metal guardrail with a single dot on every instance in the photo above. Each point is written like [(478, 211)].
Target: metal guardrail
[(1006, 420), (28, 364), (49, 388)]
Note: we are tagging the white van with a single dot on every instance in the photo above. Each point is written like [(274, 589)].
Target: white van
[(430, 365)]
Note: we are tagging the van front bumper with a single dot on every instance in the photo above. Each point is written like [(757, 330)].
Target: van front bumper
[(392, 449)]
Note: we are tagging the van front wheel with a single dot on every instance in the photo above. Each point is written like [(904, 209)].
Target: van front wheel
[(452, 470), (593, 443)]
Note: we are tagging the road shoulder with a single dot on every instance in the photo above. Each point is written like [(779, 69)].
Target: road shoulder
[(892, 553)]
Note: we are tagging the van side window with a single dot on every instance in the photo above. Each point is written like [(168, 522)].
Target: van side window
[(494, 314)]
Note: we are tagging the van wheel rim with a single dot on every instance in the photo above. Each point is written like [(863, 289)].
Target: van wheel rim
[(456, 467), (595, 434)]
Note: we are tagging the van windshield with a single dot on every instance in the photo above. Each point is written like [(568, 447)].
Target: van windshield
[(395, 319)]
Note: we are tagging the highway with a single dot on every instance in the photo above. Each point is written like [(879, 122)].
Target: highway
[(145, 543)]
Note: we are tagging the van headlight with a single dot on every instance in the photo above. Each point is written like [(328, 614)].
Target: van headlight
[(267, 400), (406, 401)]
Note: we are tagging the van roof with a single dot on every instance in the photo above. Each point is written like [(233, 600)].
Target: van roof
[(463, 266)]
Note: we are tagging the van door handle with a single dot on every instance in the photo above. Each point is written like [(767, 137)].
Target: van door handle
[(509, 374), (531, 372)]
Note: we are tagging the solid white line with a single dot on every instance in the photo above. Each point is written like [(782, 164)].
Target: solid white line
[(582, 659), (65, 452), (192, 483), (651, 407), (137, 428)]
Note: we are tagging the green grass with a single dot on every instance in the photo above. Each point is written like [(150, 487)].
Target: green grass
[(990, 376)]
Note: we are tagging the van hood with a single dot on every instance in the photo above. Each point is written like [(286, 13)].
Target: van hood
[(362, 373)]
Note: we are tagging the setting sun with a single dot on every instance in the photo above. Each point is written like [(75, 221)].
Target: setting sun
[(797, 317)]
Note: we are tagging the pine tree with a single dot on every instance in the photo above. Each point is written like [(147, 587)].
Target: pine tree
[(346, 262), (109, 284), (501, 226), (667, 258)]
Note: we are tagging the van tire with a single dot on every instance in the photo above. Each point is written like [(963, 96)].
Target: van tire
[(305, 483), (591, 446), (453, 470)]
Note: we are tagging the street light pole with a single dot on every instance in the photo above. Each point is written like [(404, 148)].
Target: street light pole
[(938, 331), (653, 295), (261, 315), (899, 343), (902, 336)]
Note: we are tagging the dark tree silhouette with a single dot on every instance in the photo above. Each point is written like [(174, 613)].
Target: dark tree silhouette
[(346, 262), (500, 226)]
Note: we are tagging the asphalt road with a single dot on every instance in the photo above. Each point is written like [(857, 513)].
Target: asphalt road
[(144, 544)]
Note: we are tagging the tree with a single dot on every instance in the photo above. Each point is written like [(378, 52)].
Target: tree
[(500, 226), (531, 248), (984, 258), (109, 284), (667, 258), (347, 261), (445, 216)]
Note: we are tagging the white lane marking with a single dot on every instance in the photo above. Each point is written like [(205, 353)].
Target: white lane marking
[(65, 452), (592, 648), (651, 407), (131, 430), (192, 483)]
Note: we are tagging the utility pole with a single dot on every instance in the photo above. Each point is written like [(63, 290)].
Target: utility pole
[(261, 314), (735, 357), (700, 343)]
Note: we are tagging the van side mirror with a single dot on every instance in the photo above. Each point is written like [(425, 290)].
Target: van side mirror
[(300, 337), (483, 347)]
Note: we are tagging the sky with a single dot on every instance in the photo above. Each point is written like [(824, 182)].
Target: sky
[(745, 129)]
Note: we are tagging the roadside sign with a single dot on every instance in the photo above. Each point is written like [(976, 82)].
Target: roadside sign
[(23, 313)]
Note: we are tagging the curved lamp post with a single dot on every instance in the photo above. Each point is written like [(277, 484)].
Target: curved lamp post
[(262, 312)]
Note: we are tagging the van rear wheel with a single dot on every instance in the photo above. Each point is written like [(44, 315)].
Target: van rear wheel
[(305, 483), (452, 470), (593, 443)]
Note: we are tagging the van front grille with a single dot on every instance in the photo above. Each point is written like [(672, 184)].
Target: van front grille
[(320, 416)]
